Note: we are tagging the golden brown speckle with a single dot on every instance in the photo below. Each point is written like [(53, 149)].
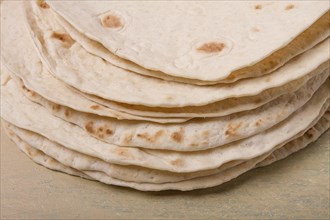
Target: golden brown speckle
[(205, 134), (123, 152), (213, 47), (42, 4), (177, 162), (108, 131), (95, 107), (269, 79), (67, 112), (150, 138), (56, 107), (289, 7), (255, 29), (259, 122), (128, 139), (258, 7), (310, 133), (90, 127), (177, 136), (232, 129), (111, 21), (65, 38)]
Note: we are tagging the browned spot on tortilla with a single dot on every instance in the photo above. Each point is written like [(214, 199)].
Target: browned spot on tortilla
[(111, 21), (42, 4), (310, 133), (177, 162), (65, 38), (289, 7), (178, 135), (255, 29), (128, 139), (100, 135), (123, 152), (100, 129), (232, 129), (169, 98), (259, 122), (158, 134), (95, 107), (30, 92), (56, 107), (212, 47), (193, 145), (90, 127), (258, 100), (258, 7), (269, 79), (108, 131), (150, 138), (205, 134), (67, 112)]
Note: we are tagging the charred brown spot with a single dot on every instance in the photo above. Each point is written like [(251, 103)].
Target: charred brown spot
[(95, 107), (111, 21), (67, 112), (193, 145), (158, 134), (213, 47), (232, 129), (205, 134), (100, 129), (90, 127), (255, 29), (259, 122), (128, 139), (289, 7), (310, 133), (123, 152), (56, 107), (268, 79), (258, 100), (30, 92), (150, 138), (108, 131), (178, 136), (64, 38), (42, 4), (169, 98), (258, 7), (177, 162)]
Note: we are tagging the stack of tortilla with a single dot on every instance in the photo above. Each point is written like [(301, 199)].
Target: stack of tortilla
[(163, 95)]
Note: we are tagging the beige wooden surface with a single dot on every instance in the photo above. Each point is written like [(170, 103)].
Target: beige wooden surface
[(296, 188)]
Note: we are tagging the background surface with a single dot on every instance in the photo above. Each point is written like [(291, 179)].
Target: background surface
[(297, 187)]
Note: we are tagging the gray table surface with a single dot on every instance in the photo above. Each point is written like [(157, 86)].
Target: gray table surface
[(295, 188)]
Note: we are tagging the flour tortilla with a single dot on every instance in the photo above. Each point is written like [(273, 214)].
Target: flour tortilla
[(86, 163), (24, 62), (17, 109), (217, 109), (143, 175), (41, 158), (99, 50), (90, 74), (196, 134), (241, 39), (298, 143), (197, 183), (29, 71)]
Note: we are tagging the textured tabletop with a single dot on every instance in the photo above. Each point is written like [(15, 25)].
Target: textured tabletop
[(296, 188)]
